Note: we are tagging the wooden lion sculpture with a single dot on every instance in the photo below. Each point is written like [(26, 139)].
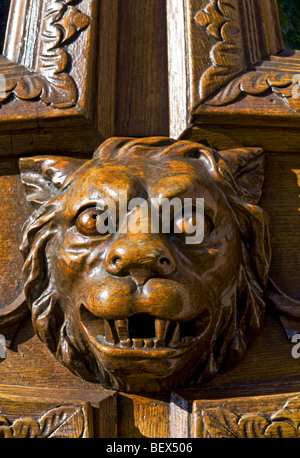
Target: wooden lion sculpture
[(137, 310)]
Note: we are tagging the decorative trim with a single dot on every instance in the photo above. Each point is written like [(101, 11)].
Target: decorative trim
[(231, 73), (63, 422), (222, 22), (50, 83), (223, 423), (256, 83)]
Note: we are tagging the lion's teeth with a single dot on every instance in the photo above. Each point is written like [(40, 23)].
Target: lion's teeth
[(158, 344), (122, 330), (138, 343), (109, 336), (148, 343), (175, 339), (160, 328), (167, 334), (126, 343), (160, 331)]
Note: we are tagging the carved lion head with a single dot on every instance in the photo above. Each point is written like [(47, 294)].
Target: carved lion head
[(141, 310)]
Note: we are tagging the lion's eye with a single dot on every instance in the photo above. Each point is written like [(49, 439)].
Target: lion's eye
[(86, 222), (188, 223)]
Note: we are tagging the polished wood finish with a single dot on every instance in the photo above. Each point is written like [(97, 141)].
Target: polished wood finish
[(130, 293), (108, 76)]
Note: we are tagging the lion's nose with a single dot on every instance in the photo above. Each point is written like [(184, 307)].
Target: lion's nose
[(140, 259)]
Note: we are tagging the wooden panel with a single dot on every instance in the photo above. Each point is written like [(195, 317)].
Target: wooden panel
[(281, 200), (49, 76), (231, 105), (32, 412), (210, 43), (281, 137), (142, 75), (258, 417), (36, 39), (107, 64), (13, 205), (30, 364), (141, 416)]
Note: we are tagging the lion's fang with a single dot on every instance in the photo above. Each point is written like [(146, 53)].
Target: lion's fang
[(109, 335), (122, 330), (160, 331)]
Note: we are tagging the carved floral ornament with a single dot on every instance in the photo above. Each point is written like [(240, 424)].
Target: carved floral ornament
[(231, 75), (141, 310), (223, 423), (60, 422), (50, 82)]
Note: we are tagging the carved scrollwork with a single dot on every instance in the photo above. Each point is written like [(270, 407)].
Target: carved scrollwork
[(223, 423), (66, 421), (258, 83), (230, 75), (61, 23), (221, 20)]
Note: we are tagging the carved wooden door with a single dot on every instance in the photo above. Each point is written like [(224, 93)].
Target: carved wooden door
[(146, 333)]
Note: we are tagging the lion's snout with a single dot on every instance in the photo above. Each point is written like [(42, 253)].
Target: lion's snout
[(142, 257)]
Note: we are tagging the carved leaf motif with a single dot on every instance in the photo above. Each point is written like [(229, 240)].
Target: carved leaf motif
[(252, 426), (72, 22), (57, 421), (221, 20), (25, 427), (51, 83), (5, 431), (212, 20), (220, 423), (284, 423), (66, 421), (258, 83)]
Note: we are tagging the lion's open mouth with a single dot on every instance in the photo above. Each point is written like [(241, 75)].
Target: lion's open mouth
[(143, 331)]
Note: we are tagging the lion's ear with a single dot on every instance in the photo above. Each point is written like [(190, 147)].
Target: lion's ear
[(42, 176), (245, 168)]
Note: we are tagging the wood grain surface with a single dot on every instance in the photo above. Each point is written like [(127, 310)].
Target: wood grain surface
[(141, 68)]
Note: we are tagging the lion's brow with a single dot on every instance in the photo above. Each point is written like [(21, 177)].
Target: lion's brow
[(176, 189)]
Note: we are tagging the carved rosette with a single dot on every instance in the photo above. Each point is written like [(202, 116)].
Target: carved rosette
[(50, 83)]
